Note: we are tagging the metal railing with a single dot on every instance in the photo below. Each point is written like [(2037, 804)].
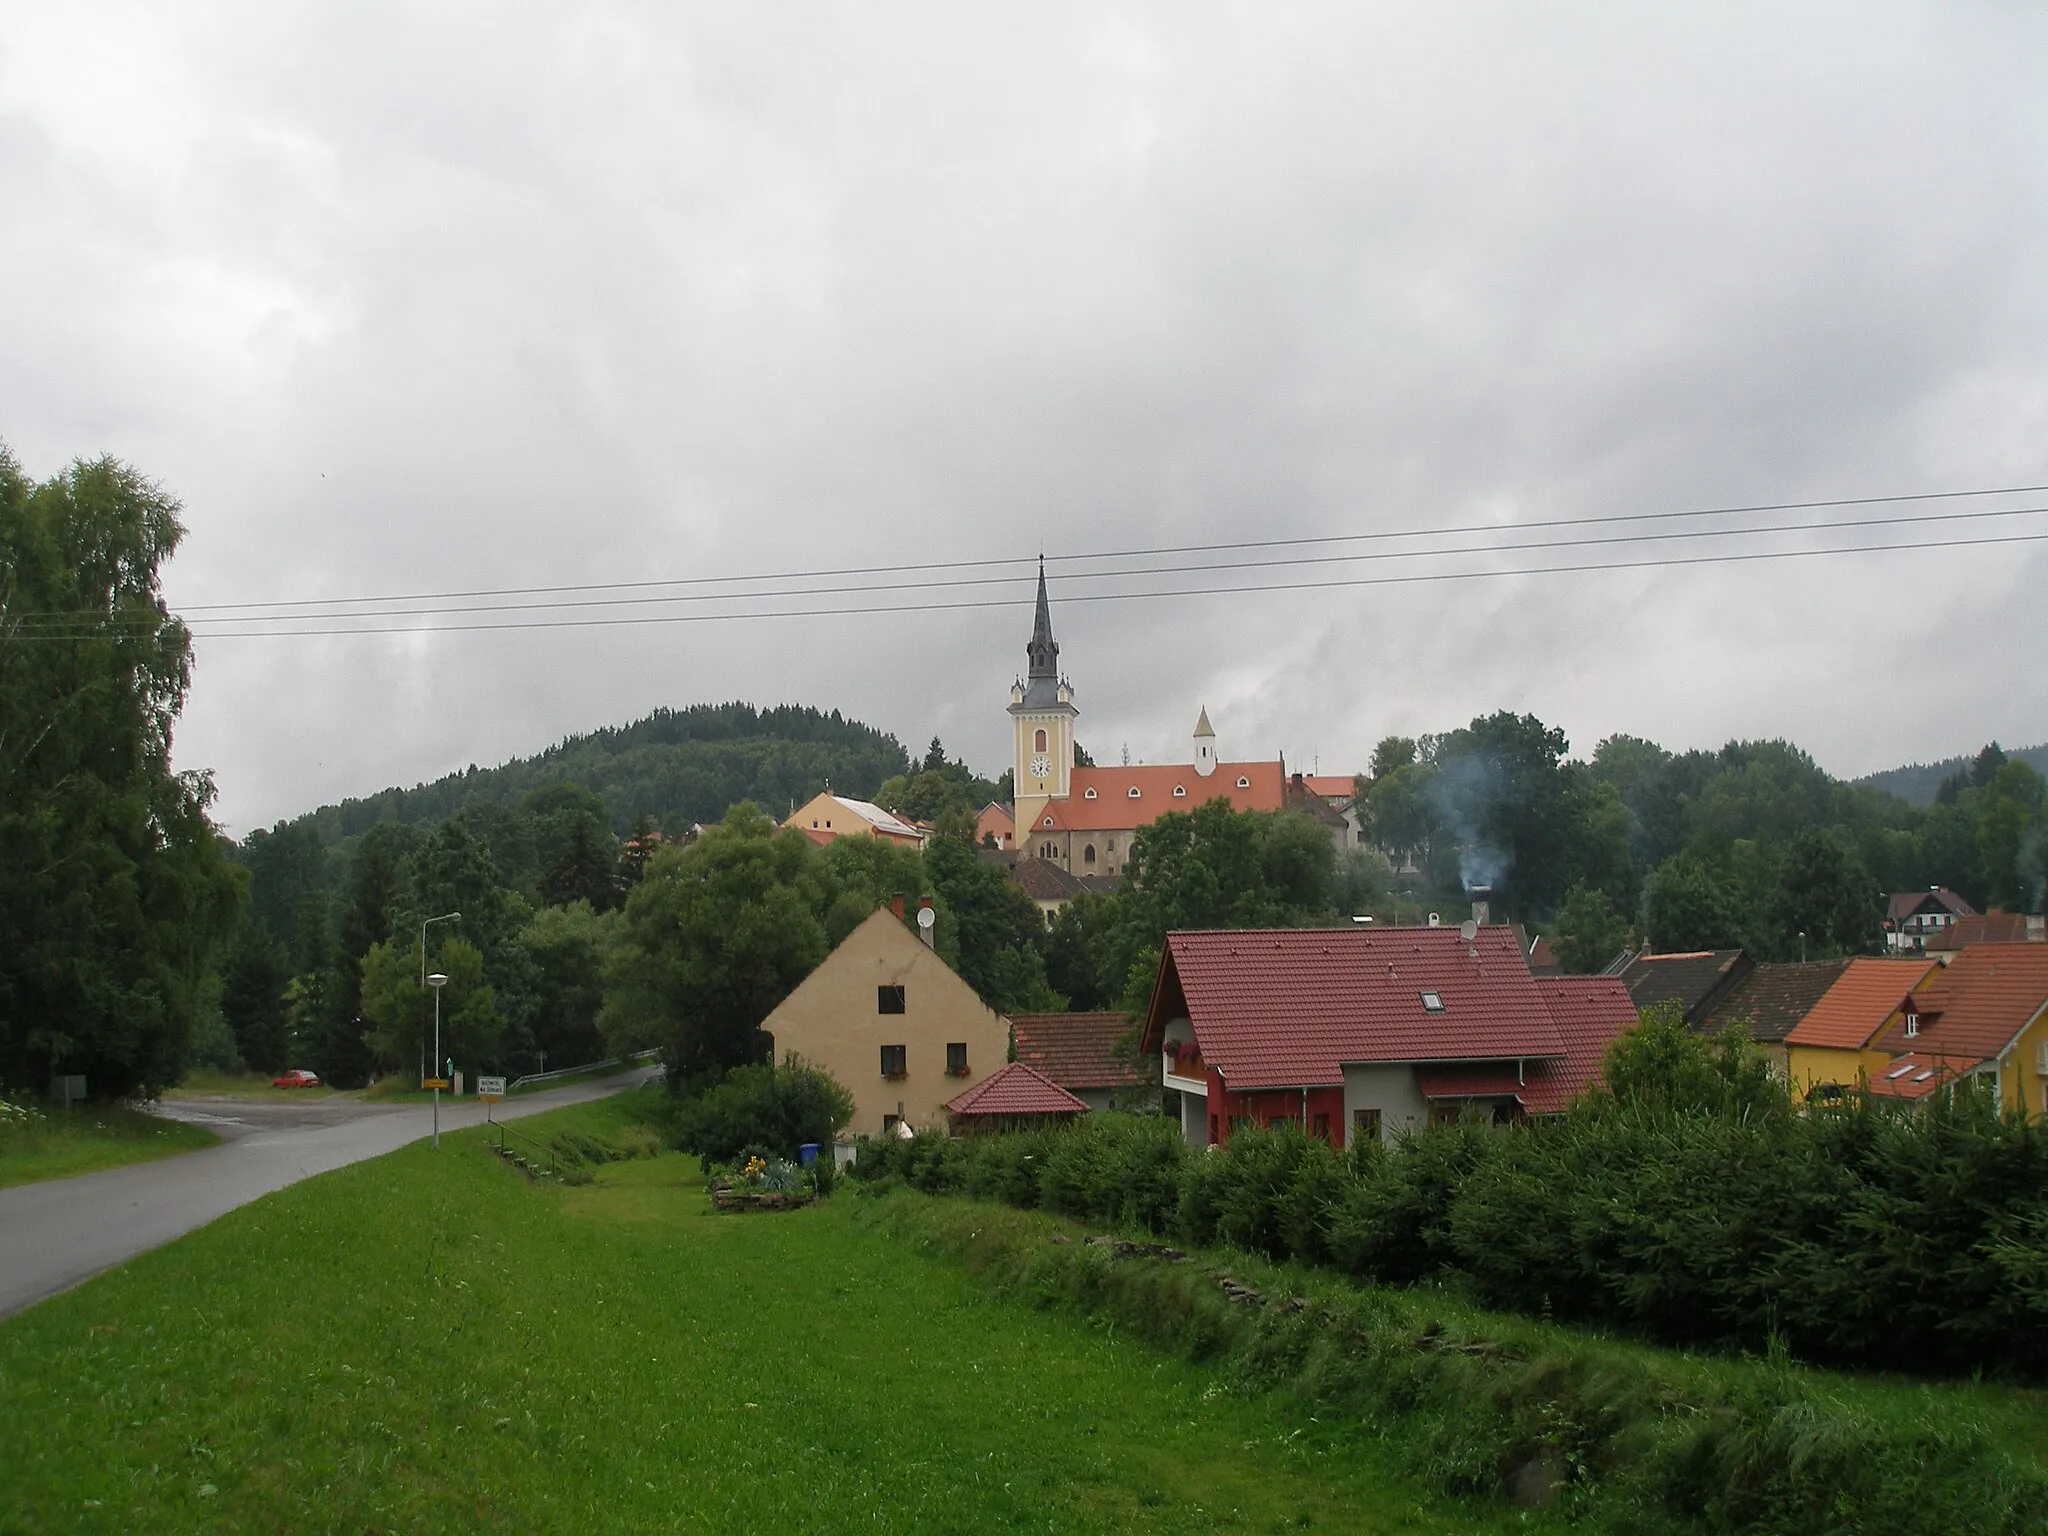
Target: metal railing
[(595, 1066), (505, 1130)]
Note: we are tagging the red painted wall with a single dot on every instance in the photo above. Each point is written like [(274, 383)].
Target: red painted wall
[(1262, 1106)]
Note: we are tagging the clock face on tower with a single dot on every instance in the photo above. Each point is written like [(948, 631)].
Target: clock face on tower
[(1041, 765)]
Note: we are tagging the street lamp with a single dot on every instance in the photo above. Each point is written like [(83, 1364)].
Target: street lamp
[(437, 981), (445, 917)]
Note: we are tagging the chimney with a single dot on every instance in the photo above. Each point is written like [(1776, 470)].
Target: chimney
[(927, 920), (896, 905), (1482, 904)]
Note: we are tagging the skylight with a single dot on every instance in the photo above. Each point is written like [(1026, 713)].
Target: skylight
[(1432, 1002), (1898, 1072)]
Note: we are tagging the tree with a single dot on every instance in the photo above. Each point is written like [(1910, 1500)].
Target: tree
[(1392, 755), (713, 938), (1589, 931), (1502, 794), (401, 1011), (565, 949), (115, 896), (1664, 1064), (1826, 895), (2009, 834), (1686, 906), (253, 1000), (1000, 930)]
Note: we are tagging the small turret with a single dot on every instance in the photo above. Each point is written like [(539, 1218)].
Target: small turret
[(1205, 745)]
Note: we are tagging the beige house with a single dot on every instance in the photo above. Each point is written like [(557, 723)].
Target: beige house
[(892, 1022), (826, 816)]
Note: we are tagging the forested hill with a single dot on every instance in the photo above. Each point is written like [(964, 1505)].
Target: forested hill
[(677, 766), (1919, 783)]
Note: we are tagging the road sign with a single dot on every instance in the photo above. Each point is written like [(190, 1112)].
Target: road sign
[(435, 1082), (490, 1088)]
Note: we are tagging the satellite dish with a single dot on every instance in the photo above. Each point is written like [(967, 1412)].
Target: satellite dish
[(1468, 930), (926, 917)]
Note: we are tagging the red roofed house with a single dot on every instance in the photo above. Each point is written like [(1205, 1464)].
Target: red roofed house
[(1083, 819), (1833, 1046), (1014, 1098), (1984, 1016), (1079, 1051), (1352, 1032), (1911, 918)]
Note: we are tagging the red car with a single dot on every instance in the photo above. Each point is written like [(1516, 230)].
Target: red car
[(298, 1077)]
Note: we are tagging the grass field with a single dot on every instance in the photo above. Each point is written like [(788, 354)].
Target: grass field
[(427, 1343), (39, 1141)]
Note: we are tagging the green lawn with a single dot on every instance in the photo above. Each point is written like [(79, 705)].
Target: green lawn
[(42, 1141), (427, 1343)]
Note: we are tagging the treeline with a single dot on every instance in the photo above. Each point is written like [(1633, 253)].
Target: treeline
[(1753, 845), (1690, 1205), (674, 768)]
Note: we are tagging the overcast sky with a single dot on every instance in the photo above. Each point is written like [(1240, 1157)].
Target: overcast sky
[(416, 298)]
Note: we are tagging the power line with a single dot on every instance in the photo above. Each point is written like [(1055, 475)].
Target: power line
[(68, 624), (1402, 579), (1131, 554)]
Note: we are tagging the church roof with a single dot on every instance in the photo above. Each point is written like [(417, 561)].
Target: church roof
[(1115, 807), (1202, 726), (1042, 682)]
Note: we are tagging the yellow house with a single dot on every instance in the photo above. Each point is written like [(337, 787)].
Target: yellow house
[(1835, 1044), (827, 816), (1985, 1016), (894, 1025)]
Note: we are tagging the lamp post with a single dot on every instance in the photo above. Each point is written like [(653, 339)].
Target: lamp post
[(437, 981), (445, 917)]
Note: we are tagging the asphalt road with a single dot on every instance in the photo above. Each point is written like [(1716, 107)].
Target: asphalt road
[(55, 1234)]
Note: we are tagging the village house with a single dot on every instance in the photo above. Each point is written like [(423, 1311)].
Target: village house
[(1767, 1002), (1984, 1016), (1696, 980), (826, 816), (1833, 1050), (1082, 1052), (1014, 1098), (1913, 917), (1358, 1032), (893, 1024)]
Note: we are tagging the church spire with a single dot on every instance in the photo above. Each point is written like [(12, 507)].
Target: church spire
[(1043, 650)]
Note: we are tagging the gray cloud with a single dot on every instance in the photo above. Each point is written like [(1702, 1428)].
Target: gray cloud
[(403, 300)]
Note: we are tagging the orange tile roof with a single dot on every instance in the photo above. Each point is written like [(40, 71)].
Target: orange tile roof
[(1976, 1007), (1856, 1006), (1016, 1090), (1329, 784), (1114, 808), (1916, 1076)]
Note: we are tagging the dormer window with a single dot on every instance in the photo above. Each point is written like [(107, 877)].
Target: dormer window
[(1134, 791), (1088, 794), (1432, 1002), (1048, 821), (1243, 782), (1180, 791), (1912, 1025)]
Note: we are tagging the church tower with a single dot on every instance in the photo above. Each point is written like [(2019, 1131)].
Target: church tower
[(1042, 715), (1205, 745)]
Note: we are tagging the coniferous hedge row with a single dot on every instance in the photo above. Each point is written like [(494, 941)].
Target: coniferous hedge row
[(1856, 1235)]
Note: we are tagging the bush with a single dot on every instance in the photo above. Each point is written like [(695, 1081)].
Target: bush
[(776, 1108)]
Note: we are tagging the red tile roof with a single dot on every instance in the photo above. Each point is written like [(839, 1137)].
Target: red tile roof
[(1916, 1076), (1329, 784), (1976, 1007), (1016, 1090), (1855, 1007), (1590, 1011), (1114, 809), (1076, 1050), (1993, 927), (1286, 1008)]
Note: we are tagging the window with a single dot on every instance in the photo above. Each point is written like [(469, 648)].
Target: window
[(1243, 782), (1912, 1025), (1088, 794), (1180, 791), (1364, 1123), (1274, 1122), (889, 1123), (1112, 845), (1322, 1128), (895, 1061), (1048, 821), (1432, 1002), (1088, 854), (956, 1058), (1134, 792), (1038, 742), (888, 999)]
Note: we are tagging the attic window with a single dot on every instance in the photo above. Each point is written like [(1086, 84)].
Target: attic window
[(888, 1000), (1048, 821), (1432, 1002), (1180, 791), (1088, 795), (1243, 782), (1912, 1025), (1134, 791)]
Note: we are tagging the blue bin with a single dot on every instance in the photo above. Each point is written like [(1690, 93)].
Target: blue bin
[(808, 1153)]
